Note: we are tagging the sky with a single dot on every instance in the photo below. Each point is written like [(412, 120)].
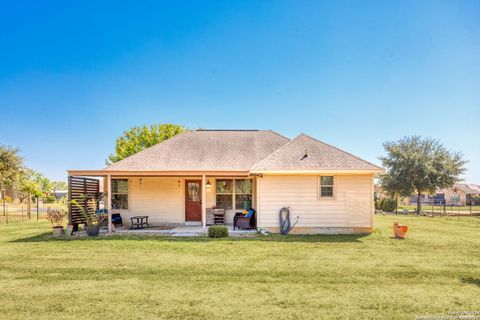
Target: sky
[(75, 75)]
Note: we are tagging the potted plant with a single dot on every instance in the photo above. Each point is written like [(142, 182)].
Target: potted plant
[(93, 220), (55, 216), (400, 230)]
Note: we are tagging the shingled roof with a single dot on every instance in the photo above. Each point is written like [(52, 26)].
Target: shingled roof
[(215, 150), (253, 151), (305, 153)]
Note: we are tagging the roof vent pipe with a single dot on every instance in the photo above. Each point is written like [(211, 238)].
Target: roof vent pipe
[(305, 155)]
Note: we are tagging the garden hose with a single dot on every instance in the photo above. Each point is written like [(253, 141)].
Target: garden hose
[(285, 224)]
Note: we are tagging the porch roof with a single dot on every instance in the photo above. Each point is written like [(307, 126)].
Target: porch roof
[(148, 173)]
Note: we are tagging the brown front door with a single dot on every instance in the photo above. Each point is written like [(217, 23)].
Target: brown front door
[(193, 200)]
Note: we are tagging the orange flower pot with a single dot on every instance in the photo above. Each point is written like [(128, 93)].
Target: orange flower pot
[(400, 230)]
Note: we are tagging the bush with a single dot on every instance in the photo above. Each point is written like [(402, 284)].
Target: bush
[(217, 232), (387, 205)]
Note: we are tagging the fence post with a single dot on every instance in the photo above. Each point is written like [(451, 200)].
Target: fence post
[(38, 206), (29, 207)]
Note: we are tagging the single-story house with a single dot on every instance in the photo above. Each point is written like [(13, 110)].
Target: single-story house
[(174, 182), (461, 194)]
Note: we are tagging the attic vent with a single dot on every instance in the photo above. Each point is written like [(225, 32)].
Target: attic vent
[(305, 155)]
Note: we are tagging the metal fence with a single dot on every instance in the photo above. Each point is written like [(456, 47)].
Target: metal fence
[(15, 212)]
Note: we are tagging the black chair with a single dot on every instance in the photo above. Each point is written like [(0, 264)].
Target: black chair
[(116, 220), (242, 222)]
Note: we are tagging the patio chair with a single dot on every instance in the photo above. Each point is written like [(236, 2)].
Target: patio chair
[(242, 221), (116, 220)]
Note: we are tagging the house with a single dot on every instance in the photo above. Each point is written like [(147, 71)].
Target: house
[(59, 194), (461, 194), (174, 182)]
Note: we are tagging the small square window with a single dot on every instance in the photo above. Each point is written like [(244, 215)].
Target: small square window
[(326, 187)]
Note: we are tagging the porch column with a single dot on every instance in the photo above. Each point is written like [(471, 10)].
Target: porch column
[(204, 201), (109, 203)]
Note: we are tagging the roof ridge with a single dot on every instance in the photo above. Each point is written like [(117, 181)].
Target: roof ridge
[(278, 134), (341, 150), (233, 130), (144, 150), (276, 151)]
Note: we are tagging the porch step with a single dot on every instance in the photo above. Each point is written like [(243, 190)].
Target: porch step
[(185, 234), (193, 223)]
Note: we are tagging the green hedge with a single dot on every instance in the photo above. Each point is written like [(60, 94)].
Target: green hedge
[(217, 232), (387, 205)]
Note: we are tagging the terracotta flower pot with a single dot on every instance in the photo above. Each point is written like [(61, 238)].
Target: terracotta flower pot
[(57, 231), (400, 230)]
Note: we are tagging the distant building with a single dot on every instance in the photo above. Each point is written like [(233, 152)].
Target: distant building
[(59, 194), (461, 194)]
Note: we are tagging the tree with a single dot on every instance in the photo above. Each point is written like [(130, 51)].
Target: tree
[(393, 188), (11, 165), (28, 185), (418, 165), (137, 139), (59, 185)]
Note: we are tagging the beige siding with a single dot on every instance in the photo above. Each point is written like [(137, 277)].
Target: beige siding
[(162, 199), (352, 205)]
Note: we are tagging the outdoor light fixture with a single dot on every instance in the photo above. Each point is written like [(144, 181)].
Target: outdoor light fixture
[(208, 184)]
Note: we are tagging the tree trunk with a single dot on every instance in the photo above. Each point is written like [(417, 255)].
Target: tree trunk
[(419, 205), (396, 205)]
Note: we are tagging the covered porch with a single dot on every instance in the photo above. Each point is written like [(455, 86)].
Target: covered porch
[(172, 200)]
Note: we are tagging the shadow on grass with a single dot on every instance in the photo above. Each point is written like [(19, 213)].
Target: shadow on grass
[(47, 237), (471, 280)]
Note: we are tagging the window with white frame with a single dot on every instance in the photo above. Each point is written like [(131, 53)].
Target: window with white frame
[(233, 193), (243, 194), (224, 193), (120, 194), (326, 187)]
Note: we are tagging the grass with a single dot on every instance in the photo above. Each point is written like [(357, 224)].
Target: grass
[(439, 208), (434, 271)]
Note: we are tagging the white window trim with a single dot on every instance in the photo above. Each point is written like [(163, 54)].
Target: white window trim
[(235, 193), (319, 188), (128, 193), (234, 200)]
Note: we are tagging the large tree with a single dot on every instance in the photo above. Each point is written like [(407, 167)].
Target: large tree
[(11, 165), (421, 165), (59, 185), (137, 139), (393, 188)]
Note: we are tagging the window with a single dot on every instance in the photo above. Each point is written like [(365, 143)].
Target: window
[(243, 194), (224, 193), (120, 194), (326, 187)]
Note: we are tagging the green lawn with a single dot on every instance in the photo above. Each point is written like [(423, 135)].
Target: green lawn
[(436, 270), (428, 208)]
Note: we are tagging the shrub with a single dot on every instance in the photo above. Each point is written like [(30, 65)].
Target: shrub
[(55, 216), (217, 232), (387, 205)]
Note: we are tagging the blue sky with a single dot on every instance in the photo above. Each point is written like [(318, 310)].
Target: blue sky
[(74, 75)]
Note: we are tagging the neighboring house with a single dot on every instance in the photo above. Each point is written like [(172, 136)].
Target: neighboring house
[(327, 190), (59, 194), (461, 194)]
